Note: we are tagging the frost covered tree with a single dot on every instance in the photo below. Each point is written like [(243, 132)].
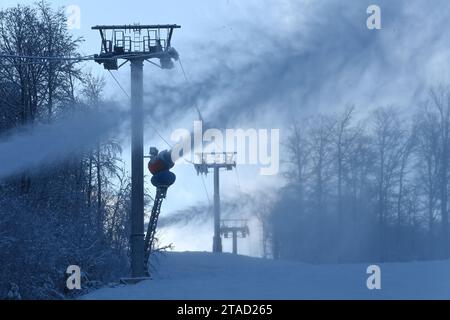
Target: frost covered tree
[(47, 216)]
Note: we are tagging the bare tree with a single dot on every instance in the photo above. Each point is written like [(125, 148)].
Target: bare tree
[(298, 160), (320, 148), (440, 99), (342, 149), (428, 166)]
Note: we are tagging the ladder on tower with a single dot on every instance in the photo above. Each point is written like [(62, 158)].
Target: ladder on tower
[(161, 193), (137, 40)]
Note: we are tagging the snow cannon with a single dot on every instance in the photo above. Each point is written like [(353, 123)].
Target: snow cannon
[(159, 166)]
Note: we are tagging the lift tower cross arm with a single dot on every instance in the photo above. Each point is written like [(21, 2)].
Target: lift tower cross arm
[(136, 42)]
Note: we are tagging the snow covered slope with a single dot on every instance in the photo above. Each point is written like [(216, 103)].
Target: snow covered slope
[(197, 275)]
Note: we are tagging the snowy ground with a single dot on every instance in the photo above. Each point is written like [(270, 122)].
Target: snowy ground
[(197, 275)]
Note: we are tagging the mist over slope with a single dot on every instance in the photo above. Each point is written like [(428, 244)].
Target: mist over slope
[(200, 275), (46, 144)]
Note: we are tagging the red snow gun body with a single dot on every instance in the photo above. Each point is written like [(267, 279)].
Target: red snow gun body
[(159, 166)]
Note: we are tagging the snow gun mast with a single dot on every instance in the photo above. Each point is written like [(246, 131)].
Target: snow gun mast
[(159, 166)]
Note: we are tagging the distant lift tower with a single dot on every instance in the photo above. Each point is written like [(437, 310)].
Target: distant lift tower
[(136, 44), (216, 161), (236, 228)]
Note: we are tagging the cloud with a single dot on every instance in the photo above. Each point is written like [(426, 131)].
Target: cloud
[(302, 56), (44, 145)]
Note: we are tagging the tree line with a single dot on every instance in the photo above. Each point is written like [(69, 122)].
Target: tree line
[(72, 213), (366, 187)]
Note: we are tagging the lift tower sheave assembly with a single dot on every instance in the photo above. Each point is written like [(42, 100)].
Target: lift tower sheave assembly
[(136, 44), (216, 161)]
